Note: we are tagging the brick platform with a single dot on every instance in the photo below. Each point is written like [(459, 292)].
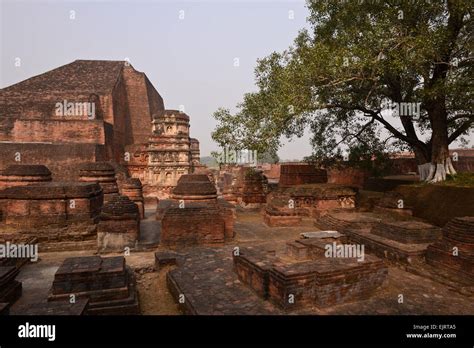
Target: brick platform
[(407, 232), (285, 204), (23, 174), (10, 289), (458, 233), (53, 308), (107, 282), (339, 221), (209, 287), (61, 215), (303, 276)]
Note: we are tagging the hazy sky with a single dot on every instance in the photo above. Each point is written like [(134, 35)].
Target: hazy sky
[(186, 48), (190, 61)]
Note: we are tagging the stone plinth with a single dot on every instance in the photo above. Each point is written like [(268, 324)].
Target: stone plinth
[(132, 188), (102, 173), (107, 282), (119, 225), (23, 174), (10, 289), (299, 174), (455, 251), (61, 216)]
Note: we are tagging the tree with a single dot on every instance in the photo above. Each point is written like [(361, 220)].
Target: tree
[(400, 70)]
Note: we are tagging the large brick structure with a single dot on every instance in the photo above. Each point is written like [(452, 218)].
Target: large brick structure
[(196, 216), (90, 111)]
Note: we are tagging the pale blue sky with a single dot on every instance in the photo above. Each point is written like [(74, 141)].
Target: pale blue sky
[(190, 61)]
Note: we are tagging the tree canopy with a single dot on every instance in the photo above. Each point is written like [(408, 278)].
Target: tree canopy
[(397, 74)]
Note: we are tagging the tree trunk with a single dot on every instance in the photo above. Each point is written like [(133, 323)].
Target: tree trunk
[(440, 164)]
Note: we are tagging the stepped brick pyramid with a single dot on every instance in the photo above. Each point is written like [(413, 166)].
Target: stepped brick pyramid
[(196, 216), (107, 282), (10, 289), (458, 233), (303, 276)]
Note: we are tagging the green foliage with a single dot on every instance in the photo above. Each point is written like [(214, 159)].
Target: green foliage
[(357, 57)]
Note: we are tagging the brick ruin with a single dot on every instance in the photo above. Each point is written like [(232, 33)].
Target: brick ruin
[(454, 252), (169, 154), (96, 111), (299, 174), (76, 181), (108, 284), (132, 188), (245, 186), (303, 276), (102, 173), (287, 205), (196, 216), (60, 215), (119, 225), (22, 175), (10, 289), (85, 214)]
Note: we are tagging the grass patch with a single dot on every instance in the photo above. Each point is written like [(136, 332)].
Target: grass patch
[(458, 180)]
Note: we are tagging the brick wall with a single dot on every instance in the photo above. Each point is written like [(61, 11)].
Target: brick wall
[(61, 159), (60, 131), (142, 100)]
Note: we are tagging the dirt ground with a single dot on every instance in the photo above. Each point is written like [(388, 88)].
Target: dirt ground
[(155, 299)]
